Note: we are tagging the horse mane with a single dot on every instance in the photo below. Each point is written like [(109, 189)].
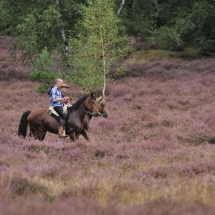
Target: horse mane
[(78, 103)]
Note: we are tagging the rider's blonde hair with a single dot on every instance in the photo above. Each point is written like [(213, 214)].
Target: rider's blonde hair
[(57, 80)]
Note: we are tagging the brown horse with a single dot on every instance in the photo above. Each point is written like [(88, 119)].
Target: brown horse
[(40, 121), (101, 107)]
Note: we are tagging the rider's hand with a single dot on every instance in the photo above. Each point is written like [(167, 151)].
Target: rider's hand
[(65, 98), (68, 103)]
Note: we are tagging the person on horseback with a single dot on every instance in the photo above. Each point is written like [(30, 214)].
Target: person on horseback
[(63, 89), (57, 100)]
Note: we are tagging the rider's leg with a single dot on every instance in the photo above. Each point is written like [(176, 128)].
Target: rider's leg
[(61, 130)]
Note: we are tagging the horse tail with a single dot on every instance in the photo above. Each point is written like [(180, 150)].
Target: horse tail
[(23, 125)]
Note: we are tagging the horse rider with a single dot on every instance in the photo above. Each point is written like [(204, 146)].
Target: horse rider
[(63, 89), (57, 100)]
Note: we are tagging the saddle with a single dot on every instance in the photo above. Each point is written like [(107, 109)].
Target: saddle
[(54, 114)]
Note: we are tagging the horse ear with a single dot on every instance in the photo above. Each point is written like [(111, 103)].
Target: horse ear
[(92, 96), (99, 99)]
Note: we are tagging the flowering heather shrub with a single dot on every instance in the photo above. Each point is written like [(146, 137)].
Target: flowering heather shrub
[(21, 186), (8, 68), (154, 154), (137, 69), (104, 124), (166, 206), (122, 90), (189, 170), (169, 69), (36, 148), (74, 154), (200, 65), (4, 169)]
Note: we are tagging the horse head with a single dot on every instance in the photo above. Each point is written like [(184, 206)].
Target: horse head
[(91, 105), (101, 106)]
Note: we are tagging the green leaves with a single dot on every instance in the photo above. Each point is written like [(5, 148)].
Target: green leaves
[(43, 70), (167, 38), (203, 26), (37, 31), (36, 24), (191, 21), (98, 36), (100, 40)]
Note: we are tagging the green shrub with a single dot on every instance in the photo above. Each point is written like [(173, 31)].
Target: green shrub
[(43, 71), (41, 89), (167, 38)]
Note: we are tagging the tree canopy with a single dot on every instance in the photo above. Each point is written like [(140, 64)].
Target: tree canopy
[(59, 24), (101, 39), (36, 24)]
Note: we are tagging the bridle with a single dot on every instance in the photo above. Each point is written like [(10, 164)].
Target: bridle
[(93, 113)]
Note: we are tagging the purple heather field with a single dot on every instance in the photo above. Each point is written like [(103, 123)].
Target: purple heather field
[(153, 155)]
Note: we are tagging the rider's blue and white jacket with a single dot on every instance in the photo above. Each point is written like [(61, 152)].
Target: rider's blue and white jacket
[(55, 94)]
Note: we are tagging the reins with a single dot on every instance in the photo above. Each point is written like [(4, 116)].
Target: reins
[(92, 113)]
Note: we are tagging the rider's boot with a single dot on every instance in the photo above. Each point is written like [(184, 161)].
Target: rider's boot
[(64, 133), (61, 132)]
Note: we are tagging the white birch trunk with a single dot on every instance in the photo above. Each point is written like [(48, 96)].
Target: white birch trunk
[(66, 46), (65, 42), (104, 67), (120, 8), (104, 86)]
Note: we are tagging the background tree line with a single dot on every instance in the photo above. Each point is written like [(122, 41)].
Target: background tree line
[(65, 26)]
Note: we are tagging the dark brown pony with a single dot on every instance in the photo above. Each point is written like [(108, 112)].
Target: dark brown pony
[(103, 112), (40, 121)]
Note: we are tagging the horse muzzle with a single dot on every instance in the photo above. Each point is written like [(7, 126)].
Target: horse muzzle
[(105, 114), (95, 114)]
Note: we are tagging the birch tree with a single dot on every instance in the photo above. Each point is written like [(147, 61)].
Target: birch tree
[(100, 41)]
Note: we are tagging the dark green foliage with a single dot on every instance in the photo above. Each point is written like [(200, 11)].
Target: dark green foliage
[(169, 23), (101, 39), (167, 38), (36, 24), (43, 71), (191, 21)]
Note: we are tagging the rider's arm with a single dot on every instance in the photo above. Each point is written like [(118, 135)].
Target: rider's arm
[(56, 96), (59, 99)]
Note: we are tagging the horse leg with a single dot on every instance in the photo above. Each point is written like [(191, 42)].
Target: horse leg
[(77, 136), (43, 137), (71, 136), (38, 136), (38, 133), (70, 133), (30, 134), (85, 135), (33, 133)]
